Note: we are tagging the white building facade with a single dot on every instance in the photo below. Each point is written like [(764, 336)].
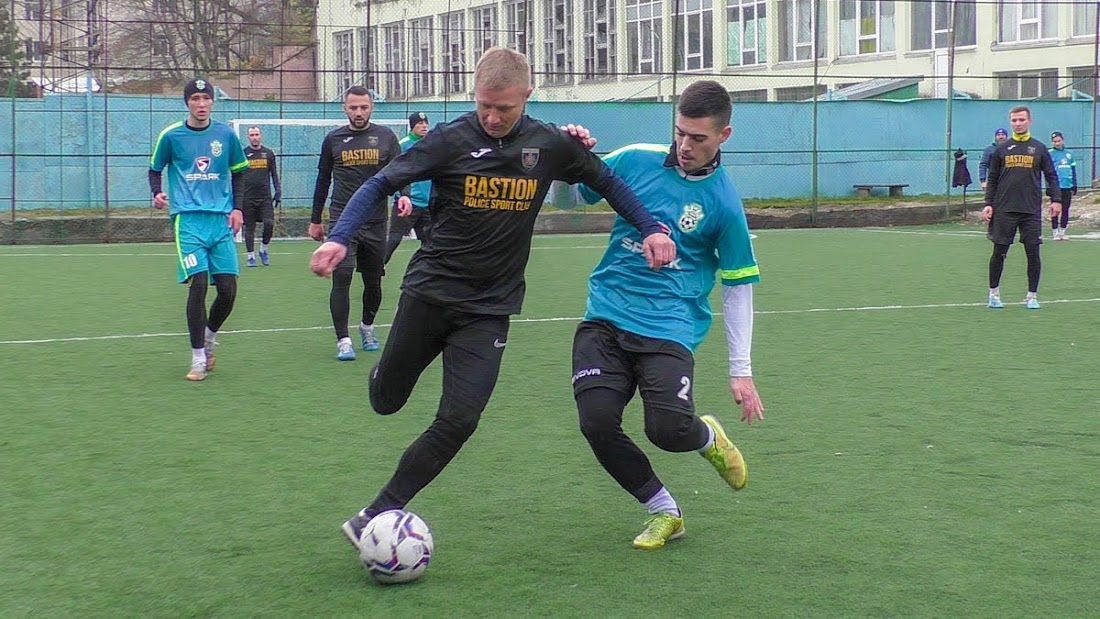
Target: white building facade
[(606, 50)]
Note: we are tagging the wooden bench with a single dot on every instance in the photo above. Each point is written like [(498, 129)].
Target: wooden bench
[(864, 190)]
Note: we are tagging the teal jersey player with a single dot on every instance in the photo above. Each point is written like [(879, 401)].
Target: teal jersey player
[(1066, 167), (707, 222), (205, 168), (200, 163), (419, 191)]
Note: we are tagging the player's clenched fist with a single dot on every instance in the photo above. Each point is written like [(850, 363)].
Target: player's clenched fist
[(659, 250), (326, 257)]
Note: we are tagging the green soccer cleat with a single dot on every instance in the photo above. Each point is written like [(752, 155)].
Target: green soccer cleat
[(725, 457), (659, 528)]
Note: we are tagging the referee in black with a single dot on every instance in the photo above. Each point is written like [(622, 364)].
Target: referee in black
[(1014, 202), (490, 170)]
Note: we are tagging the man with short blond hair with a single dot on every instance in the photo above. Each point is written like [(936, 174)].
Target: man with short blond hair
[(1014, 203), (490, 170)]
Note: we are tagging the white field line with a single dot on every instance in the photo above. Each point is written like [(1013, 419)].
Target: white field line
[(816, 310)]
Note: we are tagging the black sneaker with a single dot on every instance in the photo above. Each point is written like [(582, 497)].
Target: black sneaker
[(353, 528)]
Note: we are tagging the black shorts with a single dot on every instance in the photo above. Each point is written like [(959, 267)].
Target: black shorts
[(257, 210), (1002, 230), (606, 356), (367, 249)]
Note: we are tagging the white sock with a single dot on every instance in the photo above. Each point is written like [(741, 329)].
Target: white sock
[(198, 355), (710, 440), (1032, 295), (252, 255), (995, 291), (263, 247), (343, 340), (368, 328), (663, 502), (211, 337)]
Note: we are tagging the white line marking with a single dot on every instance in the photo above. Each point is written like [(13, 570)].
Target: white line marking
[(815, 310)]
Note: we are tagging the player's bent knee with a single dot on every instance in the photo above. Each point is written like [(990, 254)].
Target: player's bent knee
[(341, 277), (226, 285), (671, 430), (599, 410)]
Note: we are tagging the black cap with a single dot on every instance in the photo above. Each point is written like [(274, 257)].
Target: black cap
[(199, 84), (416, 118), (1056, 134)]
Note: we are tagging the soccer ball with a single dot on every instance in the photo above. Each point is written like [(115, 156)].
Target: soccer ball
[(396, 546)]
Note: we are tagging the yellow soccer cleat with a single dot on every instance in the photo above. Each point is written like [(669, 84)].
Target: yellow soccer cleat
[(659, 528), (725, 457)]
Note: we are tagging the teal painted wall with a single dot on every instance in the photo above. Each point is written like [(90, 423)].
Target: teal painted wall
[(62, 146)]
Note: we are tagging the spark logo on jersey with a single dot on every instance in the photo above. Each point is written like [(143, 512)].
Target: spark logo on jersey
[(637, 247), (202, 164), (690, 217), (499, 193)]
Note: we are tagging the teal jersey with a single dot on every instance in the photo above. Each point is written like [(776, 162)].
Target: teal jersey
[(707, 221), (1066, 167), (200, 165), (420, 191)]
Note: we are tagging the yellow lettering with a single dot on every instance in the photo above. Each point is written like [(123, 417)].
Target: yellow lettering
[(470, 186)]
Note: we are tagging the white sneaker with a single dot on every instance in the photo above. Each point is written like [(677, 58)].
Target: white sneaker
[(344, 350)]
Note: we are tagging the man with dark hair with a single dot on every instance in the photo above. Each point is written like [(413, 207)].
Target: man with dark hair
[(640, 331), (999, 137), (1014, 203), (1066, 167), (205, 168), (349, 156), (419, 192), (490, 171), (259, 203)]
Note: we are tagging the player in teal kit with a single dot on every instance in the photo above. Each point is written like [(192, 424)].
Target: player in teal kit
[(640, 329), (205, 166)]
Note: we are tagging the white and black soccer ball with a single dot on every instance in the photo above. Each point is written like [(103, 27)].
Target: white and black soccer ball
[(396, 546)]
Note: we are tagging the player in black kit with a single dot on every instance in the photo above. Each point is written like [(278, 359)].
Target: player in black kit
[(490, 170), (349, 156), (259, 203), (1014, 202)]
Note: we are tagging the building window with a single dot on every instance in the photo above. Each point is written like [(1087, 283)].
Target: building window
[(1023, 20), (393, 43), (599, 38), (420, 56), (696, 31), (796, 29), (160, 46), (799, 93), (931, 22), (557, 44), (33, 50), (1084, 19), (643, 35), (367, 67), (454, 42), (866, 27), (485, 28), (746, 34), (749, 95), (345, 71), (518, 17), (1028, 84), (1083, 79), (33, 10)]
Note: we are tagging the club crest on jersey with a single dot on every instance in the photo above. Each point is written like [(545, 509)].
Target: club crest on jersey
[(202, 163), (529, 158), (372, 140), (1031, 150), (690, 217), (216, 148)]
